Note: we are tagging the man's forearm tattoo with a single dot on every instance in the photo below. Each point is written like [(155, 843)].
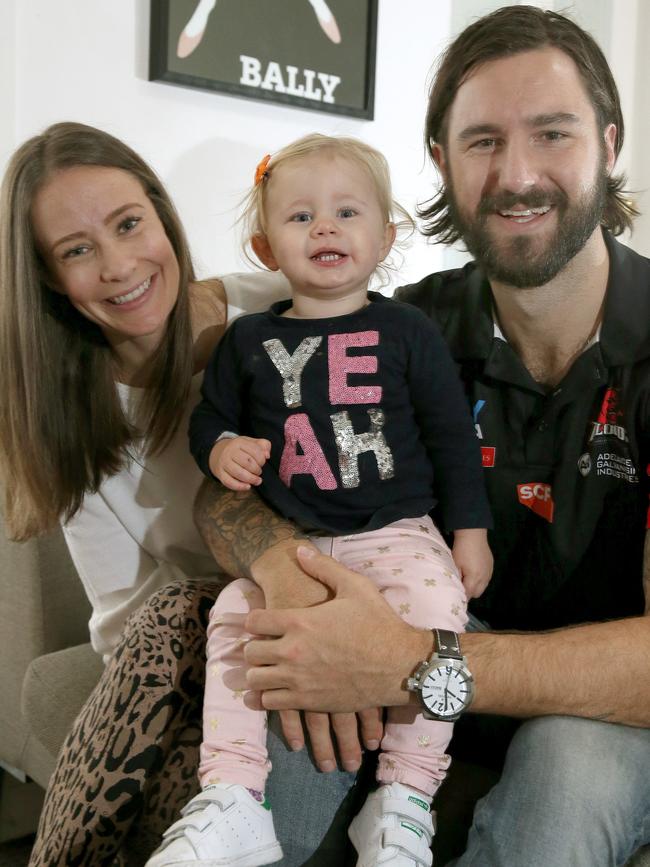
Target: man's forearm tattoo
[(237, 527)]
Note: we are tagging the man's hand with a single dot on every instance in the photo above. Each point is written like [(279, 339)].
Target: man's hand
[(297, 589), (473, 560), (237, 461), (348, 654)]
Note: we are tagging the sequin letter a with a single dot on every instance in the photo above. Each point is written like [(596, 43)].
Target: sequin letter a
[(298, 432), (341, 364), (291, 367)]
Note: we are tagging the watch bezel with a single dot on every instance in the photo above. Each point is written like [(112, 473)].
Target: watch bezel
[(459, 665)]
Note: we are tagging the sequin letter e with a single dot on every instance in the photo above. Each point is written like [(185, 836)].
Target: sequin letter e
[(340, 364)]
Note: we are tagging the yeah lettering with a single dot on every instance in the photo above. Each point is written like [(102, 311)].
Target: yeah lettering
[(302, 453), (308, 83)]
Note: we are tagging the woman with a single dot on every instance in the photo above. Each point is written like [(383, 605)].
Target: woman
[(104, 333)]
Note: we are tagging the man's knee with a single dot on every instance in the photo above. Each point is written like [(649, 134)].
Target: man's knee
[(582, 782)]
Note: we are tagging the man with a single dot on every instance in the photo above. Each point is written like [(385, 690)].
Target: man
[(550, 326)]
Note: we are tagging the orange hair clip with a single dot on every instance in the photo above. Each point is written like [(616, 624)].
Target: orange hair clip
[(261, 171)]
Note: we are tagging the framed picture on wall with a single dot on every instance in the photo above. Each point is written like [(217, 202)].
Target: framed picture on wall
[(316, 54)]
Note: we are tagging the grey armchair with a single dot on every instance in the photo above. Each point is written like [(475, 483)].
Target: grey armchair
[(48, 669)]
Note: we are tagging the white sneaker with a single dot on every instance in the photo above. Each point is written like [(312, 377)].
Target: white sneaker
[(222, 825), (395, 827)]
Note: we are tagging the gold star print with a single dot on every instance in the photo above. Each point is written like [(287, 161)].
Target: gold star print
[(437, 551), (248, 594), (419, 556), (390, 764), (455, 610), (215, 754), (213, 670), (238, 693), (424, 741), (239, 742), (214, 722), (368, 564), (214, 781), (448, 574), (422, 528), (404, 535), (384, 549), (430, 582), (397, 571), (404, 608), (217, 622)]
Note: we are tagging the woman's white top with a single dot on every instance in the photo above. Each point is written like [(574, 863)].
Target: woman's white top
[(136, 534)]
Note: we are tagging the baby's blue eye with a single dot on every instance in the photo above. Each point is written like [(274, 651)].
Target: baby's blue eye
[(347, 212), (302, 217)]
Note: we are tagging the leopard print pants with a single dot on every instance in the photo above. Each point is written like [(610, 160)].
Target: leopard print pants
[(129, 763)]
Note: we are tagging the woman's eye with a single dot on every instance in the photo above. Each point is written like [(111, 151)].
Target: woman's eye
[(129, 223), (75, 252)]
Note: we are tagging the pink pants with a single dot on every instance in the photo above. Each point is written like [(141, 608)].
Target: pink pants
[(413, 568)]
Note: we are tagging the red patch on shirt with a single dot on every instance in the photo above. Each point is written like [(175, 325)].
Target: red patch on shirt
[(537, 496), (488, 453)]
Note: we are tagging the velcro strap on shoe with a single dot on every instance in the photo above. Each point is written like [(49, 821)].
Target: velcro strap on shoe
[(221, 797), (412, 846), (196, 823), (410, 811)]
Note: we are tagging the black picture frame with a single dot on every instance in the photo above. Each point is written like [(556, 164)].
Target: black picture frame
[(282, 51)]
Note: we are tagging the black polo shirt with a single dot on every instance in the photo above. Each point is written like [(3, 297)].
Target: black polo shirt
[(566, 470)]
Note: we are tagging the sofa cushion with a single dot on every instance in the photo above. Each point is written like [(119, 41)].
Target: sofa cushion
[(55, 688)]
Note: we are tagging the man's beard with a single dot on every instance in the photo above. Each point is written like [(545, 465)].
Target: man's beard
[(515, 262)]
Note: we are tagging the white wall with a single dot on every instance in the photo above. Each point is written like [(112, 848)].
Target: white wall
[(87, 60), (8, 44)]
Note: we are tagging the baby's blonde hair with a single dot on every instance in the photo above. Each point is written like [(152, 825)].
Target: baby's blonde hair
[(253, 217)]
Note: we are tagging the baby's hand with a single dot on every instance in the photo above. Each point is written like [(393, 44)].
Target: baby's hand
[(237, 461), (473, 560)]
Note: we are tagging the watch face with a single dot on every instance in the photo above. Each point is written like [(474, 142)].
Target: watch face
[(447, 689)]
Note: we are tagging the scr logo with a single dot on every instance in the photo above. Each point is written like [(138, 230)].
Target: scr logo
[(538, 497)]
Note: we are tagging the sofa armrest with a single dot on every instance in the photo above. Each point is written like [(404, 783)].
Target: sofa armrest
[(43, 608)]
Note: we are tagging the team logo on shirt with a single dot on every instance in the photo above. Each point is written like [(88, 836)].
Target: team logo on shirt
[(488, 453), (609, 442), (609, 418), (478, 406), (584, 464), (537, 496)]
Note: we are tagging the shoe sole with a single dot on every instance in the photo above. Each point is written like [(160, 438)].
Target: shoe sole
[(257, 858)]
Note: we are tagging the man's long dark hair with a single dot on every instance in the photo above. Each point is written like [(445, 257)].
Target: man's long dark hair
[(504, 33)]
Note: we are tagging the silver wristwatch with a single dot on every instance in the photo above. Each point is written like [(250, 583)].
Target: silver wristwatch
[(444, 682)]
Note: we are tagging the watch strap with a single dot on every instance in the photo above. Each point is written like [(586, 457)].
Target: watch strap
[(447, 644)]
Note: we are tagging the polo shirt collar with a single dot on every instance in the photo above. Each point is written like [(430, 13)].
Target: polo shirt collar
[(625, 330)]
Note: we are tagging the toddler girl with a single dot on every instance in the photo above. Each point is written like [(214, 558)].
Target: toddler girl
[(345, 410)]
